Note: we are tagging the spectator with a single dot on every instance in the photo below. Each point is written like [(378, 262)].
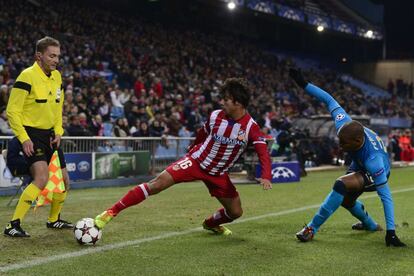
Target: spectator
[(120, 129), (135, 127), (143, 130), (75, 128), (4, 95), (96, 127), (156, 129), (124, 96), (104, 108), (117, 107), (407, 151), (176, 72), (4, 123), (394, 147), (139, 87)]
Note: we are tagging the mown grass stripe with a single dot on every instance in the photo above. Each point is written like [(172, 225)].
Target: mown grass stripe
[(93, 250)]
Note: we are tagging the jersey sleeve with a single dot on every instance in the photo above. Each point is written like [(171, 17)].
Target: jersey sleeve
[(19, 92), (58, 128), (338, 114), (376, 169), (202, 134), (258, 140)]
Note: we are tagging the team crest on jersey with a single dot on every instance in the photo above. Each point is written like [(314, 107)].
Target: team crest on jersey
[(240, 135), (339, 117)]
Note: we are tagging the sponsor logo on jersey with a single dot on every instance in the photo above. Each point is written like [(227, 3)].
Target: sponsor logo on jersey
[(227, 140)]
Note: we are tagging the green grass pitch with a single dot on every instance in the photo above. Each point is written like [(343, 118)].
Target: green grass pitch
[(162, 236)]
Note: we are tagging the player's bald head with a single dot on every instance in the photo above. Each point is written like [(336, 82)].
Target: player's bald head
[(351, 136)]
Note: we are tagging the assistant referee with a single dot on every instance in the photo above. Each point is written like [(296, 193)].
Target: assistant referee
[(34, 111)]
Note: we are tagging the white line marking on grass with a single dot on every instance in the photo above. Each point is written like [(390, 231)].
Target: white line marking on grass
[(109, 247)]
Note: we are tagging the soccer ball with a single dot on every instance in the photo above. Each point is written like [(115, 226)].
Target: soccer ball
[(86, 232)]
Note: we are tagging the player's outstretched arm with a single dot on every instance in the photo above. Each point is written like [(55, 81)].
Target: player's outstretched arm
[(297, 76), (313, 90), (391, 238), (265, 163), (337, 112), (375, 167), (266, 183), (200, 137), (260, 146)]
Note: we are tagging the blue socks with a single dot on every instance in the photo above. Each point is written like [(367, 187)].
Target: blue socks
[(331, 203), (359, 212)]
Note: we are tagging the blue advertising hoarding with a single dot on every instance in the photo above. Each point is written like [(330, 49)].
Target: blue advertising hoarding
[(343, 26), (264, 6), (319, 20), (282, 172), (291, 13), (79, 165)]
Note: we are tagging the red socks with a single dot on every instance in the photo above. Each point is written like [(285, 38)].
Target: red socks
[(141, 192), (219, 217), (134, 196)]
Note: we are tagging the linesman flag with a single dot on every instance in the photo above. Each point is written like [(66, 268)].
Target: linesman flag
[(55, 183)]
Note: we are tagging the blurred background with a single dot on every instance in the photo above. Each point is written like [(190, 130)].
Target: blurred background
[(152, 69)]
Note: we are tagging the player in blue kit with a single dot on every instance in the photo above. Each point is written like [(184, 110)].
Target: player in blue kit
[(369, 171)]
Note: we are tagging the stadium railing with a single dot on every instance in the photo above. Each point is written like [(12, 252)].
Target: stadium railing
[(163, 150)]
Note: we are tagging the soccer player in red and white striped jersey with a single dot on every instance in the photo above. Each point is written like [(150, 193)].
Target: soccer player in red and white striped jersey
[(218, 145)]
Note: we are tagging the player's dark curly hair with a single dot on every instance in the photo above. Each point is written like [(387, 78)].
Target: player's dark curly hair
[(237, 89)]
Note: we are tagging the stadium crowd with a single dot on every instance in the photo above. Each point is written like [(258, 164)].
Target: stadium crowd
[(124, 76)]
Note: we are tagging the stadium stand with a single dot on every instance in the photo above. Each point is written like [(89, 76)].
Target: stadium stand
[(124, 67)]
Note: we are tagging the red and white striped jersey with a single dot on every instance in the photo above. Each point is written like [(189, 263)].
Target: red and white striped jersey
[(225, 140)]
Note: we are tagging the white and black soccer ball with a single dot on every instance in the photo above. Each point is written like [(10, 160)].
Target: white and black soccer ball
[(86, 233)]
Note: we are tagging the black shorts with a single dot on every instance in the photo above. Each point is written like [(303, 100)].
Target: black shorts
[(43, 150), (369, 185)]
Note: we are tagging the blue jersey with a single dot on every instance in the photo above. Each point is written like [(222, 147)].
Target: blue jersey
[(372, 158)]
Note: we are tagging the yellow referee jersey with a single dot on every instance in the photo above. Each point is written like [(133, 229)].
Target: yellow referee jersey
[(36, 100)]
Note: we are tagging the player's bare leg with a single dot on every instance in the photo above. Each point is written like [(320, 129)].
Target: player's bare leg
[(354, 184), (135, 196), (231, 210)]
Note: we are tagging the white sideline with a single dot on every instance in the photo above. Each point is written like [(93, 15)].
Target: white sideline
[(108, 247)]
